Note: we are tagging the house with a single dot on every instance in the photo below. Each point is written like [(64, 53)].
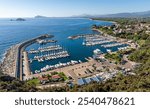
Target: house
[(56, 77), (43, 80)]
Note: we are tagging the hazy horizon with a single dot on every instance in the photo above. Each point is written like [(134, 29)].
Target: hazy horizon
[(68, 8)]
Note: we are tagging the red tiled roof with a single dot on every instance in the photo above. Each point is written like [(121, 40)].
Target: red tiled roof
[(43, 79), (56, 77)]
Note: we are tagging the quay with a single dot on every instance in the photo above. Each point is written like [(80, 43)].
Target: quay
[(56, 66), (26, 69)]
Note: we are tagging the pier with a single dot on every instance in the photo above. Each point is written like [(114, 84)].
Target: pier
[(51, 56), (45, 41), (112, 45), (45, 49), (96, 40), (81, 36)]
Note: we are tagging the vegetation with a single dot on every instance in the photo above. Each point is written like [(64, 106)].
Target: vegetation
[(34, 81), (8, 83), (62, 75), (116, 57), (49, 78), (12, 84), (125, 21)]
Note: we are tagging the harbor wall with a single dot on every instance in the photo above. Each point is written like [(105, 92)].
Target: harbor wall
[(21, 48)]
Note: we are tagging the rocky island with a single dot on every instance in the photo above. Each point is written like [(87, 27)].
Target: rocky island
[(18, 19)]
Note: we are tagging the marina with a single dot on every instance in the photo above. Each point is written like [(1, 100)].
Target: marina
[(46, 54), (96, 39), (29, 38)]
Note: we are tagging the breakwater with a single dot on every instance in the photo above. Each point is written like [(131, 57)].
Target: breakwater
[(14, 57), (21, 48), (8, 65)]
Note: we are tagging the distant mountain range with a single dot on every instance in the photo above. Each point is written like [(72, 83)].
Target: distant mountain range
[(117, 15), (126, 15), (39, 16)]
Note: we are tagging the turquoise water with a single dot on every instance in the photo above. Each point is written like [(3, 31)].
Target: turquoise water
[(13, 32)]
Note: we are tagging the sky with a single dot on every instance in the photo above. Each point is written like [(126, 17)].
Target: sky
[(65, 8)]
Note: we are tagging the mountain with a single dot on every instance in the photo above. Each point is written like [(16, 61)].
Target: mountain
[(126, 15), (134, 14), (18, 19), (39, 16)]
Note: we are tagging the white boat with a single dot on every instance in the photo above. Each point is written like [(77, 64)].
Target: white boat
[(108, 50), (97, 52)]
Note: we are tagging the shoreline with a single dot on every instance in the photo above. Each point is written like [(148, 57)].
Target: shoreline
[(8, 64), (104, 21), (4, 55)]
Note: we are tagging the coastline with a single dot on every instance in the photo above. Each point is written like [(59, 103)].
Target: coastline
[(104, 21), (8, 63), (3, 56)]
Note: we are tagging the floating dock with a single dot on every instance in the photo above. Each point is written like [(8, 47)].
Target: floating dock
[(111, 45), (96, 40), (82, 36), (45, 41), (51, 56), (45, 49)]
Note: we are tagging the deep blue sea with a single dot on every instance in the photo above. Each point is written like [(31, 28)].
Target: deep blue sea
[(13, 32)]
